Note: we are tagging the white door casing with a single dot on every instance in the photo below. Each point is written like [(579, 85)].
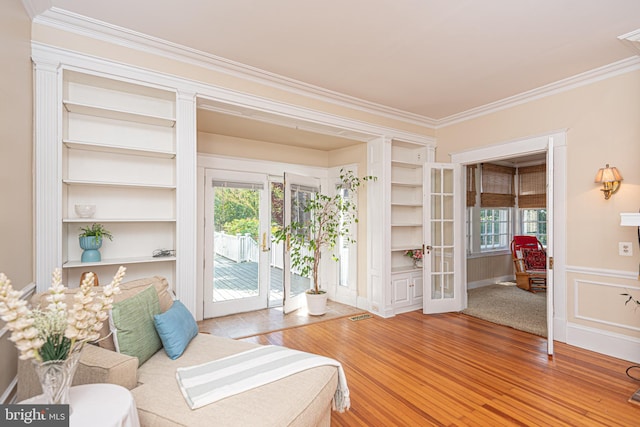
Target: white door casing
[(554, 142)]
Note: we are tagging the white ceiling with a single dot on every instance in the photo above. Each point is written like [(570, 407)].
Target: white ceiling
[(430, 58)]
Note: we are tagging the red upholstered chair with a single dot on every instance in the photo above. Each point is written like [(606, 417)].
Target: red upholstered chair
[(530, 261)]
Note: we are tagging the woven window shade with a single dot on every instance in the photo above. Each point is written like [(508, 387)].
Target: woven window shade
[(497, 186), (532, 187), (471, 185)]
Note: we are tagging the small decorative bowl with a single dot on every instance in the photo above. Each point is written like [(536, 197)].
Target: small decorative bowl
[(85, 211)]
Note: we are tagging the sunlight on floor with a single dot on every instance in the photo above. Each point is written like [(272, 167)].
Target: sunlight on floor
[(273, 319)]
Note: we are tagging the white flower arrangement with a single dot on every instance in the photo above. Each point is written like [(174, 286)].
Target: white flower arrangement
[(54, 333)]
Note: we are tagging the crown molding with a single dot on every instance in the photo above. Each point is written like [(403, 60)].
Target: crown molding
[(223, 99), (36, 7), (88, 27), (620, 67), (631, 39), (44, 14)]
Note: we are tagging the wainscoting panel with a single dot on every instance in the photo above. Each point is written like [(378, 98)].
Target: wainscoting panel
[(489, 268), (592, 298)]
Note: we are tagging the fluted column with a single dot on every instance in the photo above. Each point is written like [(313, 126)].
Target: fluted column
[(47, 152), (186, 202)]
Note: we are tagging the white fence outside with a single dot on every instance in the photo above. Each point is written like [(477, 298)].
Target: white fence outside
[(242, 248)]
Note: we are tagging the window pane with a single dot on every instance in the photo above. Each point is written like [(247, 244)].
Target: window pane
[(534, 223), (495, 229)]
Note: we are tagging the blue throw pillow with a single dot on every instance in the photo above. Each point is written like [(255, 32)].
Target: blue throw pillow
[(176, 328)]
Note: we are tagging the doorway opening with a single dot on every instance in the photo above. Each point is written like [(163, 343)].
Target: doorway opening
[(554, 147), (505, 198)]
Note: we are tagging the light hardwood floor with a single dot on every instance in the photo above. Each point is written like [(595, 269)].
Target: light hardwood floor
[(456, 370)]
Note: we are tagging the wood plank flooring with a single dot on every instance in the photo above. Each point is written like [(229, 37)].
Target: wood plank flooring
[(456, 370)]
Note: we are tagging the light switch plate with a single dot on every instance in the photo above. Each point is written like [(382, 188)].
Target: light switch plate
[(625, 248)]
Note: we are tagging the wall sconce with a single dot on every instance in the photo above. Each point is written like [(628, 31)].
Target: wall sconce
[(610, 179)]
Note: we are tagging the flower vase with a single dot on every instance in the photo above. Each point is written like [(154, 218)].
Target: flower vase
[(417, 263), (90, 244), (56, 377)]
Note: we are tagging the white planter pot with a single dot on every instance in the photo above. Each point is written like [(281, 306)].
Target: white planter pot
[(317, 303)]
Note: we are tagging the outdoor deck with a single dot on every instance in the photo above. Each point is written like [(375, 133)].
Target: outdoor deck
[(233, 280)]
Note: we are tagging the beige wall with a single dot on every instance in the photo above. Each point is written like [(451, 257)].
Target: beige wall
[(483, 270), (249, 149), (16, 225), (603, 126)]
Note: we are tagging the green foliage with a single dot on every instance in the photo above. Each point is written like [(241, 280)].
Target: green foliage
[(277, 203), (242, 226), (51, 326), (326, 219), (233, 204), (96, 230)]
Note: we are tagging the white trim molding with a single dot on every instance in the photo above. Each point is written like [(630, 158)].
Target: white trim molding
[(215, 98), (617, 274), (583, 79), (632, 39), (576, 306), (88, 27), (604, 342), (42, 13)]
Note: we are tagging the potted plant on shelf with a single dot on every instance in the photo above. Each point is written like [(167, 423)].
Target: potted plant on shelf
[(91, 240), (329, 219)]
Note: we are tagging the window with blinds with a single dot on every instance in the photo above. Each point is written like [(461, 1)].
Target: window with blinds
[(497, 189), (471, 185), (501, 189), (532, 187)]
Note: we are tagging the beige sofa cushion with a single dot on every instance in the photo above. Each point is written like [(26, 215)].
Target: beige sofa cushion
[(128, 289), (302, 399)]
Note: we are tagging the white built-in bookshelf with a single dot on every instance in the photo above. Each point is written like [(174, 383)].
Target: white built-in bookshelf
[(407, 162), (118, 153)]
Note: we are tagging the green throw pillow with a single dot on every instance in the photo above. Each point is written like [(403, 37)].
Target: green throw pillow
[(131, 322)]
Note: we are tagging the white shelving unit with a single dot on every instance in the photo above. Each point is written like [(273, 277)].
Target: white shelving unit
[(118, 153), (407, 218)]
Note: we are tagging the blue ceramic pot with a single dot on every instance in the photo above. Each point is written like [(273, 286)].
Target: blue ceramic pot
[(90, 244)]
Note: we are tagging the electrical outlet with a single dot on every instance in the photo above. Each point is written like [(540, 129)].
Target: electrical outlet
[(625, 249)]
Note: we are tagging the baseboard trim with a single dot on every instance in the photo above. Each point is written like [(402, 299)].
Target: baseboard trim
[(9, 395), (604, 342)]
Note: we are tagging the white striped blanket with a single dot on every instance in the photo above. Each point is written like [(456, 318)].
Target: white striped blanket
[(212, 381)]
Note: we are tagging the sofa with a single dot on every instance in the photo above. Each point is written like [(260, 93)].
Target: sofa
[(302, 399)]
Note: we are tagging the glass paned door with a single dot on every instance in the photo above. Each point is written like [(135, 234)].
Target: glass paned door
[(297, 190), (444, 239), (236, 242)]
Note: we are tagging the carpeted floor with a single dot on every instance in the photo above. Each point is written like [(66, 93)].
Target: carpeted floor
[(508, 305)]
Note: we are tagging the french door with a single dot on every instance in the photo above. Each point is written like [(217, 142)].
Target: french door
[(237, 242), (444, 246), (297, 190)]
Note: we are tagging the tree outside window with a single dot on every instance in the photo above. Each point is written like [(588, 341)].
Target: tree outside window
[(533, 222), (495, 226)]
